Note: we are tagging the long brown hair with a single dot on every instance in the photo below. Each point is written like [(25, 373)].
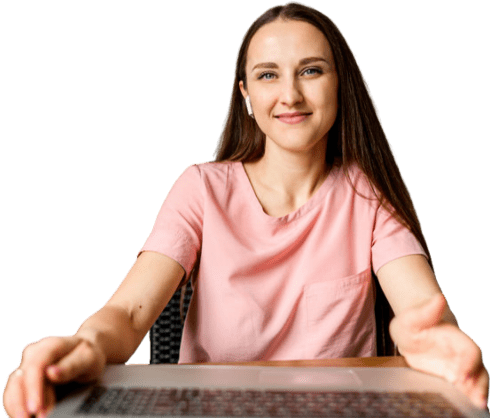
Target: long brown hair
[(356, 136)]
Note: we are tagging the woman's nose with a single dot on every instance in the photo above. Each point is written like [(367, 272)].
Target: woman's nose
[(291, 92)]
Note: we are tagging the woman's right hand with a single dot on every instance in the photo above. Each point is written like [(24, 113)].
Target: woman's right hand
[(51, 361)]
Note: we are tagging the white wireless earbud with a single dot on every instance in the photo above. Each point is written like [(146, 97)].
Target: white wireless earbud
[(249, 106)]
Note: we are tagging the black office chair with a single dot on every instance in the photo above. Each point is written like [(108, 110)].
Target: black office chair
[(383, 313), (166, 332)]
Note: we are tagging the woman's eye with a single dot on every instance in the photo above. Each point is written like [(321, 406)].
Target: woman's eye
[(312, 71), (266, 76)]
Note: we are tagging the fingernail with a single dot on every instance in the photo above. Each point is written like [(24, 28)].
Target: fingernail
[(54, 371), (32, 406)]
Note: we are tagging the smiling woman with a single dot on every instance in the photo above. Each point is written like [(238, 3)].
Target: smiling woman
[(281, 236), (304, 179)]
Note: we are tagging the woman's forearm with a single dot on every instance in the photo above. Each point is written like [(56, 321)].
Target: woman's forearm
[(111, 330)]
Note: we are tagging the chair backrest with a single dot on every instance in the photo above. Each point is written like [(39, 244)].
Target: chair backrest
[(166, 332), (383, 314)]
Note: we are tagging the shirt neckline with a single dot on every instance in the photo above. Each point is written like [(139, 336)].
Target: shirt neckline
[(311, 203)]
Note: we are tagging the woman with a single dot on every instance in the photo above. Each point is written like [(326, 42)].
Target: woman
[(303, 202)]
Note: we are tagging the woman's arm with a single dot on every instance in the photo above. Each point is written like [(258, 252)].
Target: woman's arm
[(409, 282), (111, 335), (425, 330), (122, 323)]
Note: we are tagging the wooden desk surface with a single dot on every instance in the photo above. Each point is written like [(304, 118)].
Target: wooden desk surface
[(397, 361)]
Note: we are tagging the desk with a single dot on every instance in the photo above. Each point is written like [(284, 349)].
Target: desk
[(396, 361)]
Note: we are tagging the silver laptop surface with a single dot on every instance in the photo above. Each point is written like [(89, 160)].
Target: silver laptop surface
[(251, 391)]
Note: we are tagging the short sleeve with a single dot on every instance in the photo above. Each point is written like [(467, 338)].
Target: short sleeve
[(177, 232), (391, 240)]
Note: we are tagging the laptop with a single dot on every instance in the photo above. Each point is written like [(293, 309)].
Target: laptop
[(258, 391)]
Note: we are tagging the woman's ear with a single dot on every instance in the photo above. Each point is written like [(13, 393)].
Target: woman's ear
[(242, 89)]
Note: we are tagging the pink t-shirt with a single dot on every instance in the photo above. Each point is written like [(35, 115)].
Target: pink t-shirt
[(294, 287)]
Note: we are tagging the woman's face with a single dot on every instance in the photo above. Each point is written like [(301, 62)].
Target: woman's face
[(292, 84)]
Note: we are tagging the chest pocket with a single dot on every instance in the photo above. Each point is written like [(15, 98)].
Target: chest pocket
[(340, 317)]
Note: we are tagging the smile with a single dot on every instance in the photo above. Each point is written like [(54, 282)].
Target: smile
[(293, 118)]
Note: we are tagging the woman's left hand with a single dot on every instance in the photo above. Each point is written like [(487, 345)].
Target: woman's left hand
[(433, 345)]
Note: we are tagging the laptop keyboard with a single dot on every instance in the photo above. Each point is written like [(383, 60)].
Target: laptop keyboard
[(189, 402)]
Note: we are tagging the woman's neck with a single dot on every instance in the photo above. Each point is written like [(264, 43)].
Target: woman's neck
[(289, 178)]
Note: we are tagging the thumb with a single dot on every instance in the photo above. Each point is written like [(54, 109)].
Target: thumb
[(428, 314)]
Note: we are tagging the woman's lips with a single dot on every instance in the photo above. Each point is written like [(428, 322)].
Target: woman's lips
[(293, 118)]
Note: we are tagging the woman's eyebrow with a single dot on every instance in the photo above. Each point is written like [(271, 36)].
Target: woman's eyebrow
[(304, 61)]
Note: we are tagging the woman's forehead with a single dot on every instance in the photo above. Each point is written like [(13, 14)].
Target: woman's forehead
[(285, 41)]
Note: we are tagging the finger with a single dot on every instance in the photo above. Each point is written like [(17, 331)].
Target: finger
[(35, 359), (480, 393), (471, 362), (84, 363), (476, 388), (13, 397), (49, 401)]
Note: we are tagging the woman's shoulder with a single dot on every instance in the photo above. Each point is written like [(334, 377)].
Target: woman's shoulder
[(219, 171), (354, 175), (357, 182), (217, 166)]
